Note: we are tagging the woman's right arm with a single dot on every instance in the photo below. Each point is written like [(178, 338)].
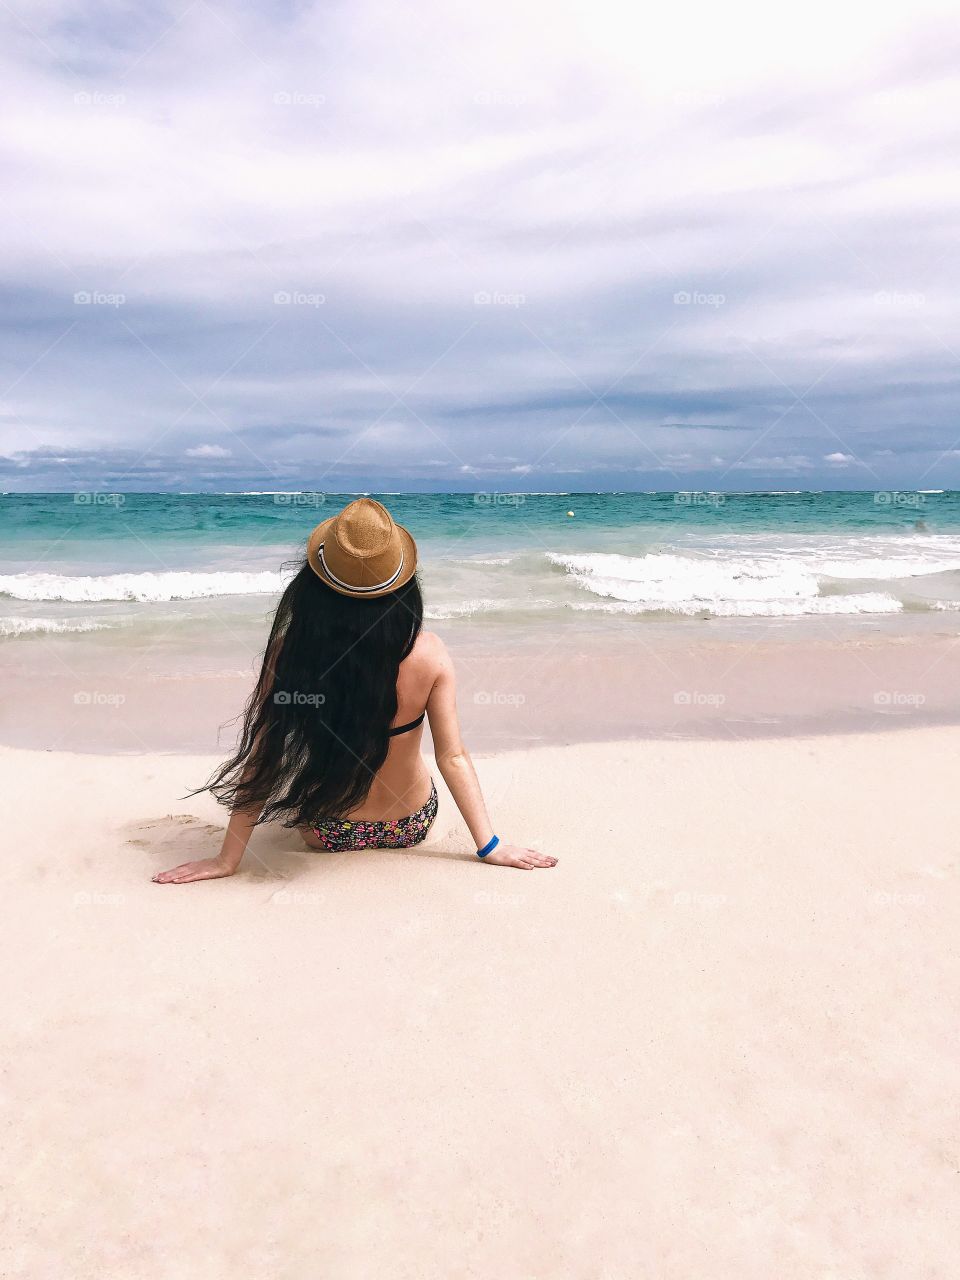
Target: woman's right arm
[(456, 769), (235, 840), (243, 819)]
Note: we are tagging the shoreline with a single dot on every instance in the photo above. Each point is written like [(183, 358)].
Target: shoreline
[(521, 690), (795, 732)]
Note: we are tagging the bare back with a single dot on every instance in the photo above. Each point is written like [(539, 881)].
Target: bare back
[(403, 784)]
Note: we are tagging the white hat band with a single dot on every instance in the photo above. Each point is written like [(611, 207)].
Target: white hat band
[(348, 586)]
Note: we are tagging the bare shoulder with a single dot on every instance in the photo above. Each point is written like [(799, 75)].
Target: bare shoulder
[(431, 654), (424, 668)]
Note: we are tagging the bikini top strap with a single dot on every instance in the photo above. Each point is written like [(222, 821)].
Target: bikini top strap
[(405, 728)]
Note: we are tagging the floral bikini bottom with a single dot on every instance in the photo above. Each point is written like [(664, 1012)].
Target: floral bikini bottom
[(337, 835)]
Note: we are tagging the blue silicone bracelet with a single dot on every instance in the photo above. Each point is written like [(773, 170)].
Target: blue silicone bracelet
[(488, 847)]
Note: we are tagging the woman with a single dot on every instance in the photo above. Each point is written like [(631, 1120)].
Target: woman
[(331, 736)]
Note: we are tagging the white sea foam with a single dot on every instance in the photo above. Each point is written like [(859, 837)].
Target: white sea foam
[(469, 608), (659, 580), (886, 570), (440, 613), (751, 575), (904, 554), (735, 587), (48, 626), (144, 587), (869, 602), (492, 560)]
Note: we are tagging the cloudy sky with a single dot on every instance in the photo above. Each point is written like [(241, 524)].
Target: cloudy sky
[(540, 246)]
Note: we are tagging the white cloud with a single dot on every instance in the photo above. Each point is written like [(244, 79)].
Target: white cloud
[(774, 464), (209, 451)]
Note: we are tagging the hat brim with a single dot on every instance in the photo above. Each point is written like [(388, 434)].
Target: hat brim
[(319, 535)]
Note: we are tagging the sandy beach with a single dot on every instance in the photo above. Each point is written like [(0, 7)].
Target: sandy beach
[(563, 390), (718, 1040)]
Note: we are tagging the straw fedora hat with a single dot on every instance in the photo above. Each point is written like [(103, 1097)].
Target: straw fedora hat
[(362, 552)]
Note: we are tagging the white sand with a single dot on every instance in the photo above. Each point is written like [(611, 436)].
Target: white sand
[(719, 1040)]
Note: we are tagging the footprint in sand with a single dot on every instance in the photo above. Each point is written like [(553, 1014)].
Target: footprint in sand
[(179, 831), (181, 837)]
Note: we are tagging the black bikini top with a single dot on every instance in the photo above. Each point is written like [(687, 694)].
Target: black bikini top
[(405, 728)]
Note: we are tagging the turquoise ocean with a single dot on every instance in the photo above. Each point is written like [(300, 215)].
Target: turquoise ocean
[(135, 622), (86, 564)]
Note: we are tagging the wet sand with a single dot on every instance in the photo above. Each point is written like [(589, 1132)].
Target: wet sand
[(517, 688)]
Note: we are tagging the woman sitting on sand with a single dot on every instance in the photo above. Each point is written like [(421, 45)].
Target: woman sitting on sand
[(331, 736)]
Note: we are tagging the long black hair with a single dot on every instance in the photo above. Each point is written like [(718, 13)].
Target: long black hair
[(315, 730)]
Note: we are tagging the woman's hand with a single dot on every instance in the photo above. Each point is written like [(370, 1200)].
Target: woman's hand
[(241, 824), (513, 855), (205, 869)]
